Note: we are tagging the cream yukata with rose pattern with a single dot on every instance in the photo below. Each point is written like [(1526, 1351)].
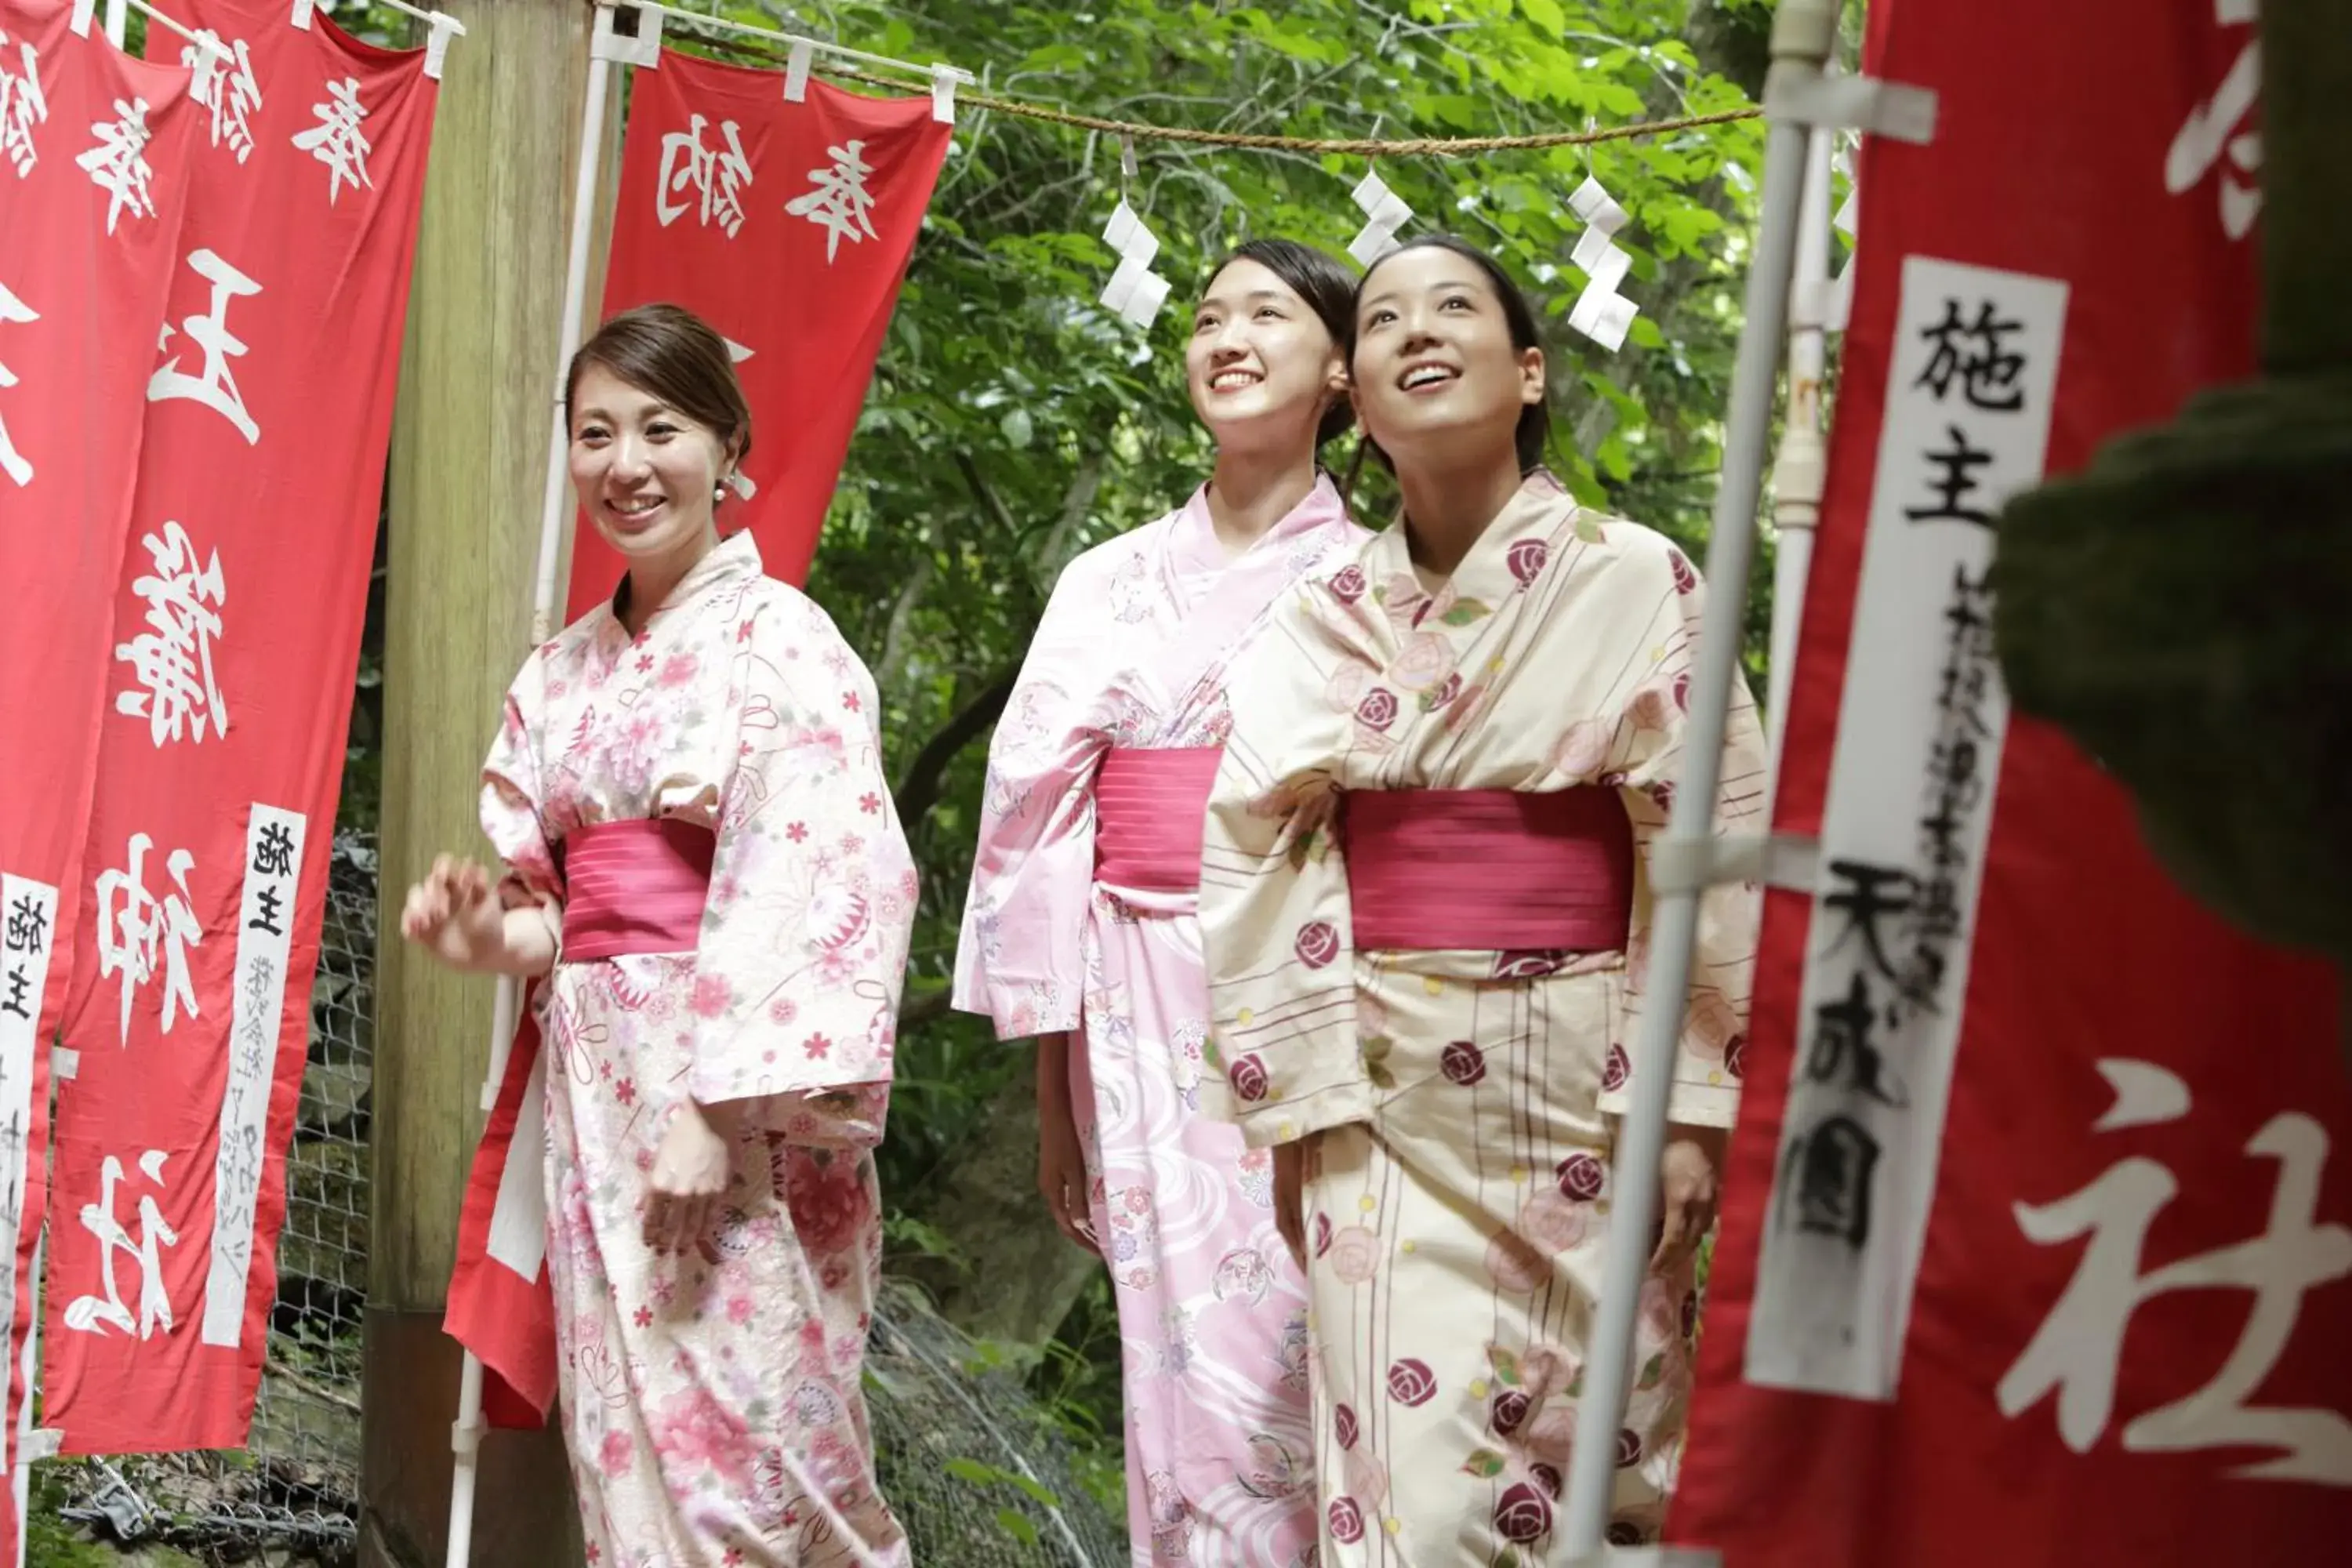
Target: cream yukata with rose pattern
[(1458, 1197), (1133, 651), (707, 1394)]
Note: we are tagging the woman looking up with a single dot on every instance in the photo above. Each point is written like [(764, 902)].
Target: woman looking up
[(1425, 908), (1080, 931)]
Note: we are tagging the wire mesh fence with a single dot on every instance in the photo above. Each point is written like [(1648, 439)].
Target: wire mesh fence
[(977, 1472)]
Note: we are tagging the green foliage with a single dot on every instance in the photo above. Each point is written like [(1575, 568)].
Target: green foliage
[(50, 1542), (1012, 423)]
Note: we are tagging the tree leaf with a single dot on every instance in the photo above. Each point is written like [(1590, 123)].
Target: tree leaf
[(1484, 1463), (1506, 1365)]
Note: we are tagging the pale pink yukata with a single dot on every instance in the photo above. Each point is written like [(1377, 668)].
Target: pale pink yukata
[(1132, 653), (705, 1395), (1460, 1106)]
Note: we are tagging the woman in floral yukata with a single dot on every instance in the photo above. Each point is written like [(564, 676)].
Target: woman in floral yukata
[(1079, 929), (703, 860), (1426, 913)]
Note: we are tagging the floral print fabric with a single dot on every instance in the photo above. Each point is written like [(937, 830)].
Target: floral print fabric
[(1458, 1105), (711, 1399), (1132, 652)]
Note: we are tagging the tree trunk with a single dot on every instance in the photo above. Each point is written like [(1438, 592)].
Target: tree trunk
[(468, 460)]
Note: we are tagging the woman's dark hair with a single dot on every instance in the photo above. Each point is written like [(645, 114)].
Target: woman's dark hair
[(674, 355), (1534, 431), (1330, 290)]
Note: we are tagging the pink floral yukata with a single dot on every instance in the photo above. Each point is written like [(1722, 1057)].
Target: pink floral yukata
[(1460, 1105), (1132, 653), (712, 1399)]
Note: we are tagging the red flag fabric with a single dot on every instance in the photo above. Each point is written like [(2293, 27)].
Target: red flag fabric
[(237, 627), (786, 227), (2019, 1259), (500, 1307), (93, 176)]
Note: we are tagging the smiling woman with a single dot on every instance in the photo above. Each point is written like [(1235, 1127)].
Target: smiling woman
[(704, 862), (1481, 712), (659, 424), (1079, 929)]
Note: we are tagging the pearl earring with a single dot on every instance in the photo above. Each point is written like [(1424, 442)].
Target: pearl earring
[(718, 493)]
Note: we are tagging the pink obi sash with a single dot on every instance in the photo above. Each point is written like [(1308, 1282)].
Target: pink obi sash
[(1149, 807), (1489, 869), (634, 887)]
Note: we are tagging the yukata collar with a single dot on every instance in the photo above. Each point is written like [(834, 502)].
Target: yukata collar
[(1491, 570), (733, 560), (1197, 546)]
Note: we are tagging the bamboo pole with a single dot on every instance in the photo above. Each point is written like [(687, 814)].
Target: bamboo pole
[(465, 476)]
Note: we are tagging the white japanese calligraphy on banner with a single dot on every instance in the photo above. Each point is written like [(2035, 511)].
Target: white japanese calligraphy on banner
[(13, 465), (2210, 137), (215, 388), (172, 660), (837, 200), (28, 925), (339, 140), (265, 928), (95, 1314), (1909, 810), (225, 84), (2078, 1351), (118, 164), (22, 107), (139, 935), (718, 175)]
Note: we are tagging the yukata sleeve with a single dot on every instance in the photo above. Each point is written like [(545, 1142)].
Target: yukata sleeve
[(512, 805), (1652, 733), (1274, 909), (803, 949), (1020, 960)]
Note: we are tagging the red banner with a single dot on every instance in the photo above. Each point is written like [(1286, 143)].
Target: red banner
[(2020, 1258), (786, 227), (237, 627), (93, 173)]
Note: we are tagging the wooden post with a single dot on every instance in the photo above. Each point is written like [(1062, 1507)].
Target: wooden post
[(468, 454)]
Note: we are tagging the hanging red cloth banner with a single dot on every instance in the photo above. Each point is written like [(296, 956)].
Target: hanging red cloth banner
[(94, 151), (787, 226), (2038, 1233), (237, 626)]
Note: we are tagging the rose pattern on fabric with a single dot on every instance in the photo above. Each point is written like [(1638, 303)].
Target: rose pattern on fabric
[(1562, 648)]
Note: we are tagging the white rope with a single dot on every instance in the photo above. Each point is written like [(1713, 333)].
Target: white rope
[(797, 40)]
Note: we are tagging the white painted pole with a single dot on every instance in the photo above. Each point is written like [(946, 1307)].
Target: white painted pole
[(1801, 474), (1803, 34), (554, 513)]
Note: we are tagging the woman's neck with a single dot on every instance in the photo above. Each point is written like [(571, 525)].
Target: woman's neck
[(652, 582), (1249, 492), (1448, 508)]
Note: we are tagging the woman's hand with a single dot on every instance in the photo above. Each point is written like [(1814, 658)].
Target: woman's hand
[(1290, 1197), (454, 915), (1687, 1189), (1062, 1179), (689, 1175)]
